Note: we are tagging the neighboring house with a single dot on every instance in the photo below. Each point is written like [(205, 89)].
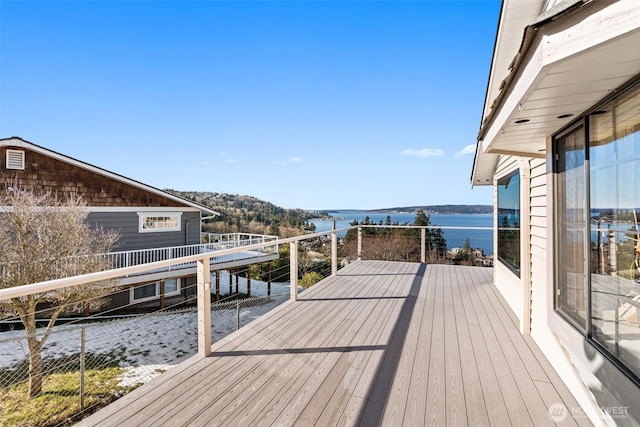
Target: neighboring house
[(560, 144), (145, 217)]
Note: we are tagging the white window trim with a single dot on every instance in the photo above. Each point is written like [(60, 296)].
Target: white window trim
[(142, 215), (133, 299), (22, 155)]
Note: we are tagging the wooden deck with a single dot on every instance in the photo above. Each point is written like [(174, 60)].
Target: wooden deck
[(383, 343)]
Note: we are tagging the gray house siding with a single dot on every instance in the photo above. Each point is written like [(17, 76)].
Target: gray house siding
[(127, 225)]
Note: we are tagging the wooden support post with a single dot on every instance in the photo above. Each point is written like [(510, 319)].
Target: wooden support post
[(162, 302), (334, 253), (269, 281), (248, 281), (204, 307), (230, 281), (293, 269), (359, 243), (237, 279), (217, 285), (423, 245)]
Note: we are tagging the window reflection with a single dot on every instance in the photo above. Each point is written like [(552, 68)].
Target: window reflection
[(614, 152), (571, 297), (509, 221)]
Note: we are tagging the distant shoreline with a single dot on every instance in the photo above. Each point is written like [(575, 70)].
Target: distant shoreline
[(431, 209), (479, 225)]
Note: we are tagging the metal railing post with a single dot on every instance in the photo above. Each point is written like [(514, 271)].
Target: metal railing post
[(423, 245), (293, 269), (204, 307), (217, 285), (334, 253), (82, 364), (238, 314), (359, 243)]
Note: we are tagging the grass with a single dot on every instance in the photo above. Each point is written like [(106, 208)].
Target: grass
[(60, 400)]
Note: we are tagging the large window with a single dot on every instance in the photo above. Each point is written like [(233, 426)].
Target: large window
[(597, 227), (159, 221), (509, 221), (614, 154)]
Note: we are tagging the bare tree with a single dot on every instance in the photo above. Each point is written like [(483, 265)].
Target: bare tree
[(44, 238)]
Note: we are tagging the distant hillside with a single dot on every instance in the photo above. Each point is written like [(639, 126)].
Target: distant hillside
[(441, 209), (248, 214)]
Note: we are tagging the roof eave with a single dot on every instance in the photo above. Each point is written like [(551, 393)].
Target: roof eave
[(19, 142)]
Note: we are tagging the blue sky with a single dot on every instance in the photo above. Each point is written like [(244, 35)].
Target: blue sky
[(309, 104)]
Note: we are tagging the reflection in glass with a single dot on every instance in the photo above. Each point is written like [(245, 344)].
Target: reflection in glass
[(144, 291), (614, 151), (509, 220), (171, 286), (570, 217)]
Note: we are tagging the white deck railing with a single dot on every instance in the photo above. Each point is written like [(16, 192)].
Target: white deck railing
[(236, 239), (215, 243)]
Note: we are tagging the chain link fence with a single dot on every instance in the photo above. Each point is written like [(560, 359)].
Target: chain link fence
[(89, 362)]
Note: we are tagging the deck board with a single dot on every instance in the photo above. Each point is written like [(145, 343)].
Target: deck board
[(494, 402), (382, 343), (415, 407), (435, 412), (476, 411), (454, 399)]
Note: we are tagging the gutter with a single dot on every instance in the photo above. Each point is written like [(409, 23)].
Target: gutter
[(564, 8), (527, 41), (210, 216)]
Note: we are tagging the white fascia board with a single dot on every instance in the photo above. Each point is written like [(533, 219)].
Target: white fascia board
[(532, 75), (515, 16), (486, 162), (90, 209), (552, 48), (141, 209), (18, 142), (592, 30), (484, 169)]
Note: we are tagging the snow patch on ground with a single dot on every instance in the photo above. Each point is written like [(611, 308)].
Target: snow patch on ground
[(145, 346), (136, 375)]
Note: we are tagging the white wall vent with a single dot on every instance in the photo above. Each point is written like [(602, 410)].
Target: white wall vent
[(15, 159)]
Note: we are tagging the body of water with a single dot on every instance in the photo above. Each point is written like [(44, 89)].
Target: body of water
[(482, 239)]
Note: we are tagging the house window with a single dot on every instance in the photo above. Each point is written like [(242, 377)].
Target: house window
[(509, 221), (152, 291), (571, 294), (153, 222), (614, 194), (597, 214), (15, 159)]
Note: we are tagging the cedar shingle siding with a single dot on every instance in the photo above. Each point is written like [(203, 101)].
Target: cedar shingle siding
[(43, 173)]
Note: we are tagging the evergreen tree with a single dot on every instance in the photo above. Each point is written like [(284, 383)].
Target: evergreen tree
[(435, 241)]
